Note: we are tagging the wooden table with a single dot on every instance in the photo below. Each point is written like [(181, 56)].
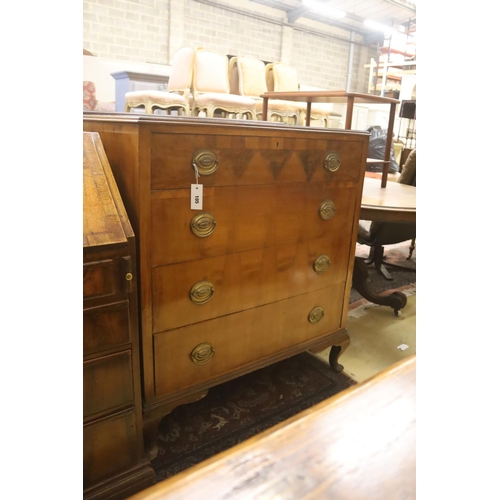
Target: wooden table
[(394, 203), (338, 96), (361, 443)]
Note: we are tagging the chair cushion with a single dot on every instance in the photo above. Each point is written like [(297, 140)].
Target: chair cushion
[(139, 97), (182, 70), (225, 100), (251, 75), (210, 72)]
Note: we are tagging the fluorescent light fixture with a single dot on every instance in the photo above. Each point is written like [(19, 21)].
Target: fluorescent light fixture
[(324, 9), (380, 27)]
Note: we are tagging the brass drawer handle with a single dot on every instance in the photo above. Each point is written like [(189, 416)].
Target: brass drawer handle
[(201, 292), (332, 161), (203, 225), (316, 314), (327, 209), (321, 264), (202, 353), (205, 161)]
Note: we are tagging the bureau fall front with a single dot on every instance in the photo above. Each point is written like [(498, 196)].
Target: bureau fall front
[(261, 272)]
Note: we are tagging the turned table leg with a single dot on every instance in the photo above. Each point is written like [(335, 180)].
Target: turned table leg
[(396, 300)]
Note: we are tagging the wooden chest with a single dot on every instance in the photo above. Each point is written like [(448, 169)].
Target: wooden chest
[(262, 272), (114, 462)]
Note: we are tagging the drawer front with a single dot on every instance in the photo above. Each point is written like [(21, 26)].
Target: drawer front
[(195, 291), (102, 279), (106, 327), (107, 383), (243, 218), (237, 160), (194, 354), (110, 446)]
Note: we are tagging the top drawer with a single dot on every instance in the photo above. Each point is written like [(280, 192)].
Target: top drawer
[(227, 160)]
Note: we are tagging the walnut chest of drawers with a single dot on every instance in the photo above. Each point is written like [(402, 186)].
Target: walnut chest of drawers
[(262, 272), (114, 461)]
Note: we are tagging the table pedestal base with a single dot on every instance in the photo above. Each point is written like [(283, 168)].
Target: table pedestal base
[(396, 300)]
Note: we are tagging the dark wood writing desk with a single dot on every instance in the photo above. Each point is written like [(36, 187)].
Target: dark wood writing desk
[(394, 203), (338, 96), (358, 444)]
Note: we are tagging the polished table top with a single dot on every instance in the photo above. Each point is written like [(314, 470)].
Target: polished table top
[(328, 96), (394, 203), (357, 444)]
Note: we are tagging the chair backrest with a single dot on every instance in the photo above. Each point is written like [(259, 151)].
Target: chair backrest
[(210, 72), (281, 77), (251, 76), (181, 74)]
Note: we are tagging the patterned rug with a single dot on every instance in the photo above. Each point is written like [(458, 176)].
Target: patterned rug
[(241, 408)]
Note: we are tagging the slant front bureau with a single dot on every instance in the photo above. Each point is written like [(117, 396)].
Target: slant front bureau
[(114, 461), (262, 272)]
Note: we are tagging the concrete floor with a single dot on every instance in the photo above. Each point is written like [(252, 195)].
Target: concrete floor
[(378, 338)]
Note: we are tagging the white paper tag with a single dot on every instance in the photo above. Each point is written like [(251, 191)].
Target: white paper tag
[(403, 347), (196, 196)]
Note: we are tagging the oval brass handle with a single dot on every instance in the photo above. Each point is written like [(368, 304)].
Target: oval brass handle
[(327, 209), (316, 314), (203, 225), (205, 161), (321, 264), (202, 353), (332, 161), (201, 292)]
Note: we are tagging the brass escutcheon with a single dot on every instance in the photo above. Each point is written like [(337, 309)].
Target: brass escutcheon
[(327, 209), (321, 264), (205, 161), (203, 225), (316, 314), (202, 353), (201, 292), (332, 161)]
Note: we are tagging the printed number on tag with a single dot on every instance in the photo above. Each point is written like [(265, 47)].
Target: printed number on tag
[(196, 196)]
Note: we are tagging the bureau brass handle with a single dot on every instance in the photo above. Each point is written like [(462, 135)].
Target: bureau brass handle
[(321, 264), (201, 292), (203, 225), (316, 314), (327, 209), (332, 161), (202, 353), (205, 161)]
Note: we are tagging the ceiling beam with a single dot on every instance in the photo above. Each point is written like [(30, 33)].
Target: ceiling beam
[(294, 14)]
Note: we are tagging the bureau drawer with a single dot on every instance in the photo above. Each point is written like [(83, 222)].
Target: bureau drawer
[(102, 279), (242, 218), (109, 447), (107, 383), (182, 357), (231, 159), (198, 290), (106, 327)]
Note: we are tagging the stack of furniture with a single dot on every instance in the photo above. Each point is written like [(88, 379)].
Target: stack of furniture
[(114, 462), (262, 272)]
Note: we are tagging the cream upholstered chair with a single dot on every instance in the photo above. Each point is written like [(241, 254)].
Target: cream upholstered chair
[(211, 88), (281, 77), (247, 77), (179, 88)]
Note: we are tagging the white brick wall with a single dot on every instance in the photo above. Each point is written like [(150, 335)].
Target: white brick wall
[(152, 30)]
